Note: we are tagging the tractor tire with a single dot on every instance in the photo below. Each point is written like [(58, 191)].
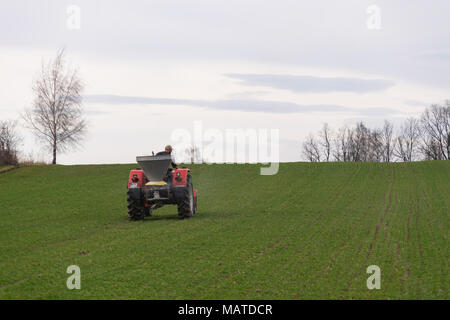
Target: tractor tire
[(135, 210), (186, 205)]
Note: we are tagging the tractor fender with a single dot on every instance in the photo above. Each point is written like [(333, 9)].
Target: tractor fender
[(139, 175), (180, 177)]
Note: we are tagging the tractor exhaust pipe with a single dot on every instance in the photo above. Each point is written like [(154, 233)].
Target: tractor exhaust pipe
[(155, 167)]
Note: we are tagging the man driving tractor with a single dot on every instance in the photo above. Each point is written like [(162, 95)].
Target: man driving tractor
[(168, 151)]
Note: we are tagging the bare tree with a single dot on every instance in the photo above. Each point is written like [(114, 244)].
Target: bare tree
[(387, 140), (311, 149), (407, 140), (435, 124), (325, 136), (375, 149), (359, 142), (9, 141), (193, 153), (56, 114), (341, 146)]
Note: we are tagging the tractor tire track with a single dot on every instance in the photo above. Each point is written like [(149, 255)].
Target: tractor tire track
[(346, 243), (14, 282), (390, 242), (261, 252), (383, 217), (405, 277), (319, 217), (279, 240), (325, 270), (444, 275), (372, 242), (337, 196), (419, 247), (306, 244), (291, 231), (427, 209)]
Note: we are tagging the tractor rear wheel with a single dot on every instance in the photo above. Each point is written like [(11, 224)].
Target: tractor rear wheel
[(186, 205), (135, 210)]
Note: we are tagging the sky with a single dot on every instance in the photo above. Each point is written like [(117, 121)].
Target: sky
[(154, 67)]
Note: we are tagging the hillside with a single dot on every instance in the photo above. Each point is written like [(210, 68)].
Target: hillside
[(308, 232)]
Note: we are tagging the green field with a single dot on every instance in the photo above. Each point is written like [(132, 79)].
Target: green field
[(308, 232), (4, 168)]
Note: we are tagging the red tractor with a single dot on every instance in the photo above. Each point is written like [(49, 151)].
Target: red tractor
[(155, 185)]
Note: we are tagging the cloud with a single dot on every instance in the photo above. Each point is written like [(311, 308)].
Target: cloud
[(299, 33), (312, 84), (416, 103), (246, 94), (95, 112), (435, 55), (375, 122), (280, 107)]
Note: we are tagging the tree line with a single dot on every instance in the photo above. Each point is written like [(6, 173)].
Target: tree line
[(424, 138), (9, 141)]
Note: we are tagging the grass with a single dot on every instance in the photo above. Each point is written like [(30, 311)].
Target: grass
[(5, 168), (308, 232)]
